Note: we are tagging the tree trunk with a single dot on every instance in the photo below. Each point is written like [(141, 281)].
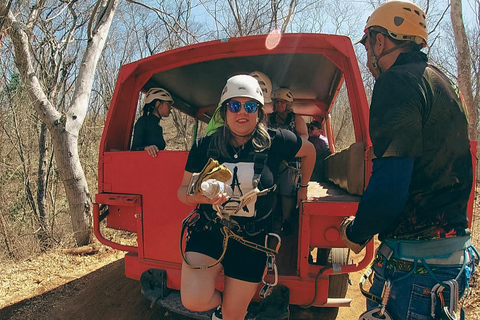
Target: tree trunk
[(65, 128), (73, 178), (43, 235), (464, 66)]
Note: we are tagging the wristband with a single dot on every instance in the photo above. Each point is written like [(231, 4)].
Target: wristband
[(303, 185)]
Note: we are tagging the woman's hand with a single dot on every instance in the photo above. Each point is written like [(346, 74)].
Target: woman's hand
[(301, 195), (152, 150), (200, 198)]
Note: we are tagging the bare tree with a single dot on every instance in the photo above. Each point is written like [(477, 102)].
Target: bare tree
[(64, 126), (464, 65)]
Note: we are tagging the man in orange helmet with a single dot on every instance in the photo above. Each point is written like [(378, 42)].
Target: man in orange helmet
[(416, 199)]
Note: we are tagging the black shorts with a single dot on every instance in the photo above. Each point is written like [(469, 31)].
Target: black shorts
[(240, 262)]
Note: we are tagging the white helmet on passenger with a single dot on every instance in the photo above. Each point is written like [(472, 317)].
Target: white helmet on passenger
[(158, 93), (283, 93), (265, 85), (242, 86)]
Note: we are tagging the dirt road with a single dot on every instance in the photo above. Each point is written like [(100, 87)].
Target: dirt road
[(107, 294)]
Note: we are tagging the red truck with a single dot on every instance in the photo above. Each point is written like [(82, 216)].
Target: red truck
[(138, 193)]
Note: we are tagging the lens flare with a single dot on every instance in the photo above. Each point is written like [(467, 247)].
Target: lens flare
[(273, 39)]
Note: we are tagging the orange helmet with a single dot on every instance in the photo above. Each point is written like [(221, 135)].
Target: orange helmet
[(403, 20)]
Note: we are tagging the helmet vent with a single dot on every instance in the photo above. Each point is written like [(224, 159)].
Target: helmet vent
[(398, 21)]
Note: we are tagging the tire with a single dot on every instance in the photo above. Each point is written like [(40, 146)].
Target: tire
[(338, 284)]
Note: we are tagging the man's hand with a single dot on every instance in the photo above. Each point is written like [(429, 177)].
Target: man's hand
[(355, 247)]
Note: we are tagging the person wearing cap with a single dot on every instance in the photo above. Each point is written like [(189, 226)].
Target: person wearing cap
[(320, 143), (148, 134), (253, 154), (265, 84), (284, 117), (416, 199)]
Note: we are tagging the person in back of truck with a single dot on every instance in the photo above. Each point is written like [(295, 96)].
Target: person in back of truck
[(416, 199), (253, 155), (320, 143), (148, 134), (284, 117)]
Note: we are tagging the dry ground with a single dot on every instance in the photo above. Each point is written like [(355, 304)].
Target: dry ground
[(57, 285)]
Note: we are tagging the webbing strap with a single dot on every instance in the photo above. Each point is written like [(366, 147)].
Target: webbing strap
[(370, 296), (426, 249), (227, 234)]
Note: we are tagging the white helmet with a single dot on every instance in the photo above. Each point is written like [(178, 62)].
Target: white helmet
[(265, 84), (283, 93), (242, 86), (158, 93)]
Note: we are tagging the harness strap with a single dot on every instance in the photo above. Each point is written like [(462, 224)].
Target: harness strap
[(426, 249), (193, 218), (370, 296), (259, 161)]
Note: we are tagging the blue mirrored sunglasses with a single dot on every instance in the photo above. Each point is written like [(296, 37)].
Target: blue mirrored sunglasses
[(234, 106)]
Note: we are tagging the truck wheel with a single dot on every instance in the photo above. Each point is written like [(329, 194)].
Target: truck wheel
[(338, 284)]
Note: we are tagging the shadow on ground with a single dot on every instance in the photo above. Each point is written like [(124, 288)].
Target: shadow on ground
[(107, 294)]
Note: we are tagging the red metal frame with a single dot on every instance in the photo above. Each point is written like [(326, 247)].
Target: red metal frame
[(141, 190)]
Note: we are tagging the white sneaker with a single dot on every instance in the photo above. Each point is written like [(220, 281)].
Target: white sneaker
[(217, 314)]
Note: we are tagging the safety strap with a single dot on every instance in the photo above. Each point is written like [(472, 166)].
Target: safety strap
[(259, 162), (427, 249), (369, 275), (193, 218)]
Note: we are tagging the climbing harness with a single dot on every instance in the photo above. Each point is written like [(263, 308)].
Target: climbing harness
[(194, 217), (406, 255)]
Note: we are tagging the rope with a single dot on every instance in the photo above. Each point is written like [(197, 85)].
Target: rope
[(191, 220)]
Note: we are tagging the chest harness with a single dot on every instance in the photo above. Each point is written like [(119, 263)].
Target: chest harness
[(230, 228)]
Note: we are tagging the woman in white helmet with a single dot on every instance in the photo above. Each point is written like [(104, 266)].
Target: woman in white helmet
[(253, 154), (148, 134), (284, 117), (265, 84)]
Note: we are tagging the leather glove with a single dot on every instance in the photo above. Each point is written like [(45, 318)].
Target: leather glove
[(212, 170), (355, 247)]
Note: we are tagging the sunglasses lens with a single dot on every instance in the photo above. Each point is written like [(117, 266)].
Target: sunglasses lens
[(234, 106), (251, 106)]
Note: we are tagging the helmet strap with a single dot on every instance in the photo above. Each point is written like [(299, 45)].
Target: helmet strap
[(375, 58)]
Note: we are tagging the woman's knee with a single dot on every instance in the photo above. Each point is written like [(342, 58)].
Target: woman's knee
[(196, 301)]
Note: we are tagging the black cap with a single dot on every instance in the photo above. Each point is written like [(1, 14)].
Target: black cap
[(316, 124)]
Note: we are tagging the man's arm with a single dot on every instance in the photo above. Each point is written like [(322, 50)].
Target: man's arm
[(383, 200)]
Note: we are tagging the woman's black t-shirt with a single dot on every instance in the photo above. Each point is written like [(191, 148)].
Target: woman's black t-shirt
[(284, 146), (148, 132)]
